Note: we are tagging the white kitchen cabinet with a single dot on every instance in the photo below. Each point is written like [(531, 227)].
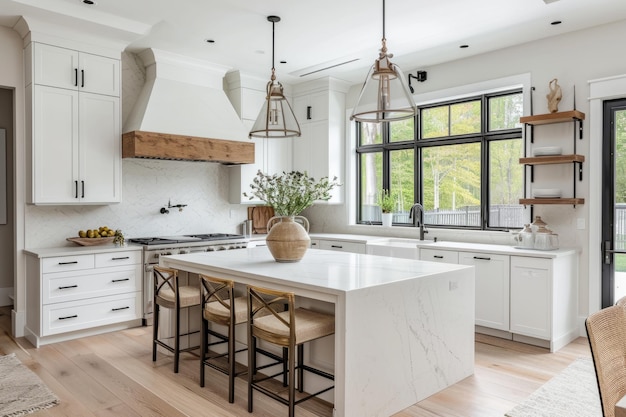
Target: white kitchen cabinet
[(438, 255), (342, 246), (319, 107), (271, 156), (544, 299), (75, 70), (492, 288), (75, 295), (73, 135), (76, 147)]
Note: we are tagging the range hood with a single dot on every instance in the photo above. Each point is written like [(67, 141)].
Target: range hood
[(182, 113)]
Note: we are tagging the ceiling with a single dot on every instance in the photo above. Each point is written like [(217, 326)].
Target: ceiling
[(318, 38)]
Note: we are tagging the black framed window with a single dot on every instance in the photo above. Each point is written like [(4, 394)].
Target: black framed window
[(459, 159)]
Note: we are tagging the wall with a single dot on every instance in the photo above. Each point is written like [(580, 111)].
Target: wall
[(574, 59)]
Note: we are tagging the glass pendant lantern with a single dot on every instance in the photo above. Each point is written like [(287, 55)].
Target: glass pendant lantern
[(385, 96), (276, 118)]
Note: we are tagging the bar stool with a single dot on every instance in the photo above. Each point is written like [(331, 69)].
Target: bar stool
[(289, 329), (169, 294), (219, 305)]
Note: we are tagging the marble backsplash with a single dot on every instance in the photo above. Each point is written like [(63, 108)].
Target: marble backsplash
[(147, 186)]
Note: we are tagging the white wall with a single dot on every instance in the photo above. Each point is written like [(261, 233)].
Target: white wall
[(573, 59)]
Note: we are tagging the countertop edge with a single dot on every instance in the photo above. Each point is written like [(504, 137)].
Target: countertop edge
[(79, 250)]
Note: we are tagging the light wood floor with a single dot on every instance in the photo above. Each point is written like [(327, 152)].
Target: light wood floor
[(113, 375)]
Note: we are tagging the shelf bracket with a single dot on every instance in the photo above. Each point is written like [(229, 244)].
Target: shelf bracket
[(580, 129)]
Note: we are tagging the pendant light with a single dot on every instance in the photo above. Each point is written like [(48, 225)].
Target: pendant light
[(385, 96), (276, 118)]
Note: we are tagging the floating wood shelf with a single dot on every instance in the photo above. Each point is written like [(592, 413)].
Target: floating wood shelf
[(532, 201), (552, 159), (548, 118)]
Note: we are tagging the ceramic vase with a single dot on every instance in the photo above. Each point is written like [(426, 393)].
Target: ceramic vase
[(387, 219), (288, 237)]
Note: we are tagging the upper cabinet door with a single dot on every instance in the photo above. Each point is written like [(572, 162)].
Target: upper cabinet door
[(66, 68), (99, 74), (56, 67)]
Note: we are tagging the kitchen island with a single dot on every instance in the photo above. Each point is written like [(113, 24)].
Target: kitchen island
[(404, 329)]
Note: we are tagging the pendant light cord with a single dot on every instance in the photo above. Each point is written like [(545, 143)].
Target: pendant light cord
[(383, 19), (273, 23)]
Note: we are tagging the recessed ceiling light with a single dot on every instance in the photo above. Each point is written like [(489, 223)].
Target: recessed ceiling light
[(89, 2), (464, 46), (556, 22)]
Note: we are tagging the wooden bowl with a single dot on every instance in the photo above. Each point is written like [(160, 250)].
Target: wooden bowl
[(85, 241)]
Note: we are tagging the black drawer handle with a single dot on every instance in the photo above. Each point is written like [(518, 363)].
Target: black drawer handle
[(82, 78), (120, 308), (121, 280), (336, 246), (68, 263), (68, 286), (121, 258), (69, 317), (438, 256), (482, 258)]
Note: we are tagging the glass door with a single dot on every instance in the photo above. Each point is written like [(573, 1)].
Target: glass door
[(614, 202)]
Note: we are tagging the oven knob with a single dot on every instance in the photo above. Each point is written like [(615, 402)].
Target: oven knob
[(210, 249), (155, 256), (184, 251), (221, 247)]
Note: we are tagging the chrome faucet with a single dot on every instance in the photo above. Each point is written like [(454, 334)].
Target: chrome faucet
[(418, 221)]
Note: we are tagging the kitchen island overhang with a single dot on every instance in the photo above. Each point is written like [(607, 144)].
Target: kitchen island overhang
[(404, 329)]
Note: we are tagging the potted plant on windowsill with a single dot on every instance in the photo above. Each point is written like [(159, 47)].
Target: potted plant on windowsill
[(289, 194), (387, 203)]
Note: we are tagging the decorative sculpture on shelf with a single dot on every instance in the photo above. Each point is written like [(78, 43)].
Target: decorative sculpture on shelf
[(554, 96)]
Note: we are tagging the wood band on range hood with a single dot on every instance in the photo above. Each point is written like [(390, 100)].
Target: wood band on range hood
[(152, 145)]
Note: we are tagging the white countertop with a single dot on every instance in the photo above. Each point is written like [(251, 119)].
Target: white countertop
[(80, 250), (318, 269)]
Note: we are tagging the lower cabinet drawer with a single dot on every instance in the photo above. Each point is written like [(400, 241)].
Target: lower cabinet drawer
[(67, 263), (83, 314), (70, 286), (342, 246), (109, 259)]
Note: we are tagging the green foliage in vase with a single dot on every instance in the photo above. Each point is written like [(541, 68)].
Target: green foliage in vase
[(290, 193), (387, 201)]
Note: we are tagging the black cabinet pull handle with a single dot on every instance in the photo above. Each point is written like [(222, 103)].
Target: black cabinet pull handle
[(82, 77), (120, 308), (75, 77), (482, 258), (438, 256), (120, 280), (120, 258), (308, 112), (68, 263), (336, 246), (76, 187), (68, 317), (68, 286), (82, 183)]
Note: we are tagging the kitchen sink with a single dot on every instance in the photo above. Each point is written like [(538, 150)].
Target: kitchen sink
[(402, 242), (397, 247)]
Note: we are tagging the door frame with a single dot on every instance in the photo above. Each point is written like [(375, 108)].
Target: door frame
[(600, 90)]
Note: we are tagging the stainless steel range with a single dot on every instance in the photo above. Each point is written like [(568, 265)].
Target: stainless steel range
[(155, 247)]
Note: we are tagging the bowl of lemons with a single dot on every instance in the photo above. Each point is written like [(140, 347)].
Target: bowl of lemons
[(98, 236)]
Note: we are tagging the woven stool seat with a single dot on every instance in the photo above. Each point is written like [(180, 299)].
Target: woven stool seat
[(168, 293)]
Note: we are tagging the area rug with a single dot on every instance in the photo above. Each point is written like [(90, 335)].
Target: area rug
[(21, 390), (572, 393)]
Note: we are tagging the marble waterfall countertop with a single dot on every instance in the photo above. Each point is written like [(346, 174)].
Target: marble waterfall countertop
[(404, 329)]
